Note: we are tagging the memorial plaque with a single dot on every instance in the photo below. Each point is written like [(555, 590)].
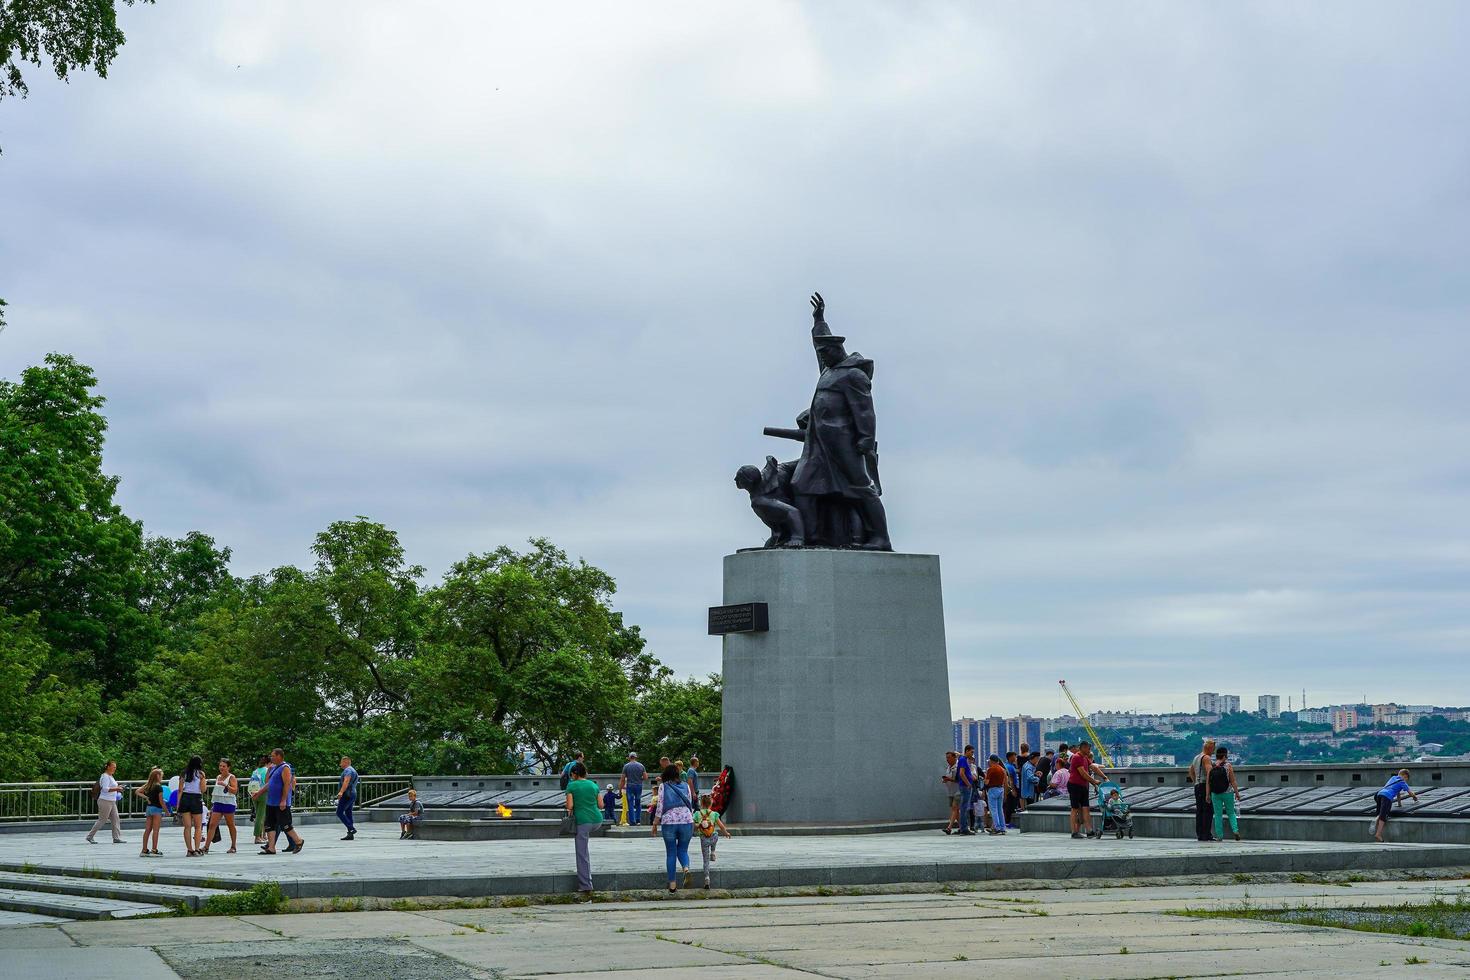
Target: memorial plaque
[(743, 617)]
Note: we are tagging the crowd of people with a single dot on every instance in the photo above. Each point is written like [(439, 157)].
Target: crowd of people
[(270, 791), (985, 798)]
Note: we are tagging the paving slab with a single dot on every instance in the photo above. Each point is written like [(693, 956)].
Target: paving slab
[(567, 951), (751, 971), (34, 937), (362, 925), (167, 932), (85, 964), (9, 919)]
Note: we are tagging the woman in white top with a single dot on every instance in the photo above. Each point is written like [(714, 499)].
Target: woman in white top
[(191, 805), (222, 805)]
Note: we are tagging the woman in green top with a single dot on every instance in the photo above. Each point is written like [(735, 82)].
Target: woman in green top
[(582, 805)]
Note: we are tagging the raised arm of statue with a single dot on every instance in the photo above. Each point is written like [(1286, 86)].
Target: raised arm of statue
[(797, 434)]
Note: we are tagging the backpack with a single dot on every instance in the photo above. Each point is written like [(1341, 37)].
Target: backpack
[(566, 777), (1219, 778), (97, 789)]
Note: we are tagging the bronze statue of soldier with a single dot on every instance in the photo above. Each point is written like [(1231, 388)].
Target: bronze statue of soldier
[(834, 484)]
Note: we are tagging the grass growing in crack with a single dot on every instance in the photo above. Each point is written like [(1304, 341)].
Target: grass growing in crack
[(1438, 919), (262, 898), (471, 925)]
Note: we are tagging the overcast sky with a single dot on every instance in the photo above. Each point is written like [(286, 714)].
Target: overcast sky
[(1170, 305)]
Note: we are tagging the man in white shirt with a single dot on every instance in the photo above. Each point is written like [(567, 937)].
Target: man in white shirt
[(107, 800)]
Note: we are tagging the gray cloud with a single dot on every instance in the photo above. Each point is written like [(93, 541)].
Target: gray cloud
[(1168, 306)]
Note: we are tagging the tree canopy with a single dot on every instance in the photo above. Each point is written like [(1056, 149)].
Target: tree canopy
[(73, 35), (148, 649)]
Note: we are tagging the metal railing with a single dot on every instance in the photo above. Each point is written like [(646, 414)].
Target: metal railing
[(29, 802)]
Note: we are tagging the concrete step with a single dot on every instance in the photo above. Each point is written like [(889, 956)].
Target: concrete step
[(131, 891), (75, 906)]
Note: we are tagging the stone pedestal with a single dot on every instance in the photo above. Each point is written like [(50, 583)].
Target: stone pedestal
[(840, 712)]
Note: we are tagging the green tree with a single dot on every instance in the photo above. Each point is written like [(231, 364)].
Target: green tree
[(679, 719), (51, 727), (73, 35), (528, 642), (67, 551)]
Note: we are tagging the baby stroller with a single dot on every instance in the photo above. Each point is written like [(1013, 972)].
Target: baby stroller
[(1113, 810)]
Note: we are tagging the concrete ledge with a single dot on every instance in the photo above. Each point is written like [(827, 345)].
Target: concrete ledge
[(1348, 830), (454, 828), (800, 829)]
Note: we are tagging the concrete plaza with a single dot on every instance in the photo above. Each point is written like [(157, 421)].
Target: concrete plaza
[(1060, 933), (377, 864)]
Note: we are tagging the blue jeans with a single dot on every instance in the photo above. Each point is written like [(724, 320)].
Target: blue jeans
[(635, 803), (967, 797), (344, 813), (676, 846), (997, 797)]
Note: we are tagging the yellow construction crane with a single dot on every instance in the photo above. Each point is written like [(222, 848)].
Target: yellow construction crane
[(1102, 750)]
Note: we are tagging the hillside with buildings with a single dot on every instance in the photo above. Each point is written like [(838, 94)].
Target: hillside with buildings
[(1345, 733)]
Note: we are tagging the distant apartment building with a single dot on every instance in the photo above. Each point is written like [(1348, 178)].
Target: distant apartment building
[(1144, 759), (1269, 705), (1125, 719), (1403, 719), (1315, 716), (1344, 718), (966, 732), (1382, 712), (1211, 703)]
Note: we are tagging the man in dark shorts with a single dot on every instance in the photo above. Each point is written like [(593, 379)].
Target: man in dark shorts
[(1385, 798), (278, 786), (1079, 788)]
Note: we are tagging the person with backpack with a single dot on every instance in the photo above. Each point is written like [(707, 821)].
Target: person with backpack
[(1391, 793), (107, 791), (346, 796), (709, 825), (1223, 792), (566, 770), (673, 818)]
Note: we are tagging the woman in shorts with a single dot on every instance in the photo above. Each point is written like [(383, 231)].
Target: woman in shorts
[(223, 805), (151, 793), (191, 805)]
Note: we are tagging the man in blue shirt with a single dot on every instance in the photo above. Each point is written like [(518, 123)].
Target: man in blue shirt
[(278, 786), (632, 784), (346, 796), (1385, 798), (964, 774)]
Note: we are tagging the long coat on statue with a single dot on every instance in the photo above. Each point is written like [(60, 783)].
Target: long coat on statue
[(841, 414)]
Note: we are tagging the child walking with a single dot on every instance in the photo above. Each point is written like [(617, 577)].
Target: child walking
[(709, 826)]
